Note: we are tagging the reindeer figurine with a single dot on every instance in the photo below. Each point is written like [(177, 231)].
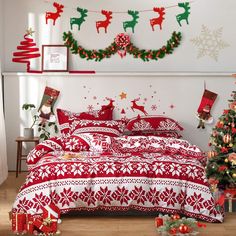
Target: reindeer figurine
[(159, 20), (104, 23), (137, 107), (133, 22), (54, 15), (79, 21), (109, 105), (185, 15)]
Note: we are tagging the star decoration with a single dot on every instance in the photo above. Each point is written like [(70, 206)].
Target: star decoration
[(209, 43), (123, 95), (30, 31)]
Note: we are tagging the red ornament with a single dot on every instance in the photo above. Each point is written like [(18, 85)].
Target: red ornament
[(224, 149), (173, 231), (233, 130), (158, 221), (227, 138), (184, 229), (222, 168), (226, 112), (220, 125)]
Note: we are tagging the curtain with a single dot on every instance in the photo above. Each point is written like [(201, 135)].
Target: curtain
[(3, 151)]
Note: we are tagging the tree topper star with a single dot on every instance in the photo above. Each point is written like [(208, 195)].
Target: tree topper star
[(123, 95), (30, 31)]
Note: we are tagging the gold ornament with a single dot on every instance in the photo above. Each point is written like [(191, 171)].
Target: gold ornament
[(231, 145), (234, 175), (211, 154), (226, 160), (227, 138)]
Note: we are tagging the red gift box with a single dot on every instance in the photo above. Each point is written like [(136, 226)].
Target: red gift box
[(18, 222), (51, 214), (39, 224)]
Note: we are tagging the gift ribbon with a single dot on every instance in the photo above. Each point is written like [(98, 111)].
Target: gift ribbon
[(51, 212)]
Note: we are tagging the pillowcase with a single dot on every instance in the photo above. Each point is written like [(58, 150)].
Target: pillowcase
[(111, 128), (164, 134), (96, 142), (153, 123), (65, 118), (130, 144)]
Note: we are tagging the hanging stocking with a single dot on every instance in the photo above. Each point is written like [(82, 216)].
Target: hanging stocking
[(203, 112), (46, 107)]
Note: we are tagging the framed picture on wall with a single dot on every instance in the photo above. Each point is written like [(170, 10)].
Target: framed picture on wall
[(54, 58)]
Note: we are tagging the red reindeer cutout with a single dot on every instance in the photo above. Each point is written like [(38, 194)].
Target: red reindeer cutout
[(137, 107), (159, 20), (109, 105), (54, 15), (104, 23)]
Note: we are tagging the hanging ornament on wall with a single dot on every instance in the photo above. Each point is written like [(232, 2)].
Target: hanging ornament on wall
[(54, 15), (80, 20), (28, 51), (132, 23), (185, 14), (158, 20), (227, 138), (126, 46), (104, 23)]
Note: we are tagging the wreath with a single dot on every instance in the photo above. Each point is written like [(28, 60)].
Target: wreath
[(121, 45)]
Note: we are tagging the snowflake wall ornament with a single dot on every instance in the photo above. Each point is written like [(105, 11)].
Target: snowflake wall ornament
[(209, 43)]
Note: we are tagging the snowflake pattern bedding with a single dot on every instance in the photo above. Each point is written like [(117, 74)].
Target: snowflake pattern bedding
[(98, 172)]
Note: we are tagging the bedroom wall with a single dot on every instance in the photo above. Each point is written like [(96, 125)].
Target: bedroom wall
[(177, 80)]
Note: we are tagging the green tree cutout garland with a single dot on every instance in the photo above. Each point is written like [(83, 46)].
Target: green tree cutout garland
[(122, 43)]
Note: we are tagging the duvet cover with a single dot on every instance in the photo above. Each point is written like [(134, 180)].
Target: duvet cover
[(97, 172)]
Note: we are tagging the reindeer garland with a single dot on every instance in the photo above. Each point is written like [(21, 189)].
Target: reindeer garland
[(54, 15), (185, 14), (159, 20), (131, 24), (79, 21), (104, 24)]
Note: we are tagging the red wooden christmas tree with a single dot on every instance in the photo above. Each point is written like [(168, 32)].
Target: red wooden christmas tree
[(27, 51)]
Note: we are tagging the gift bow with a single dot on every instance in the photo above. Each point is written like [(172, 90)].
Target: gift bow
[(122, 41)]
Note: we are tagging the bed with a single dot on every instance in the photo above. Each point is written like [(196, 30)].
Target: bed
[(93, 166)]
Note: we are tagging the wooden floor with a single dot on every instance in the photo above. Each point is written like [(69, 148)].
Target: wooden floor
[(100, 225)]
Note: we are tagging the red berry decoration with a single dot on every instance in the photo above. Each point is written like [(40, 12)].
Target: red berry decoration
[(158, 221), (184, 229)]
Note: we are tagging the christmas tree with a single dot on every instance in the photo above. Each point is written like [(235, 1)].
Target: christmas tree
[(27, 51), (221, 167)]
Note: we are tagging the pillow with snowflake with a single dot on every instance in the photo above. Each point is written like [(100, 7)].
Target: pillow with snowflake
[(153, 123), (110, 128), (134, 144), (65, 118), (96, 142)]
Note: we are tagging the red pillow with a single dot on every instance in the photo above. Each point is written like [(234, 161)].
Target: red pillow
[(153, 123), (65, 118), (110, 128)]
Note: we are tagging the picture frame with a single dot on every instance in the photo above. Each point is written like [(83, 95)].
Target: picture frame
[(55, 58)]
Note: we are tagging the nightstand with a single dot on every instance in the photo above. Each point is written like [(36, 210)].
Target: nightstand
[(20, 155)]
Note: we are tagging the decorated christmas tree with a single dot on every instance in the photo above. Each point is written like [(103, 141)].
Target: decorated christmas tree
[(221, 167)]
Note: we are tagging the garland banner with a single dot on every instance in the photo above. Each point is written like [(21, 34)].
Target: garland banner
[(121, 45)]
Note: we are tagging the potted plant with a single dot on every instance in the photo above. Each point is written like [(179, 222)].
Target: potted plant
[(44, 127)]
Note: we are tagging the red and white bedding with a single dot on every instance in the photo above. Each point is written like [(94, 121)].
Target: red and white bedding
[(94, 171)]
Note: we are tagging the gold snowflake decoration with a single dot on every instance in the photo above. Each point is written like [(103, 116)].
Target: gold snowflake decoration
[(209, 43)]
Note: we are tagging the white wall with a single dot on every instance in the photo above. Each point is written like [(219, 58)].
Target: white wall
[(184, 92)]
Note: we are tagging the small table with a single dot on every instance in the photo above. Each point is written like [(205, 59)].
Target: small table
[(20, 155)]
